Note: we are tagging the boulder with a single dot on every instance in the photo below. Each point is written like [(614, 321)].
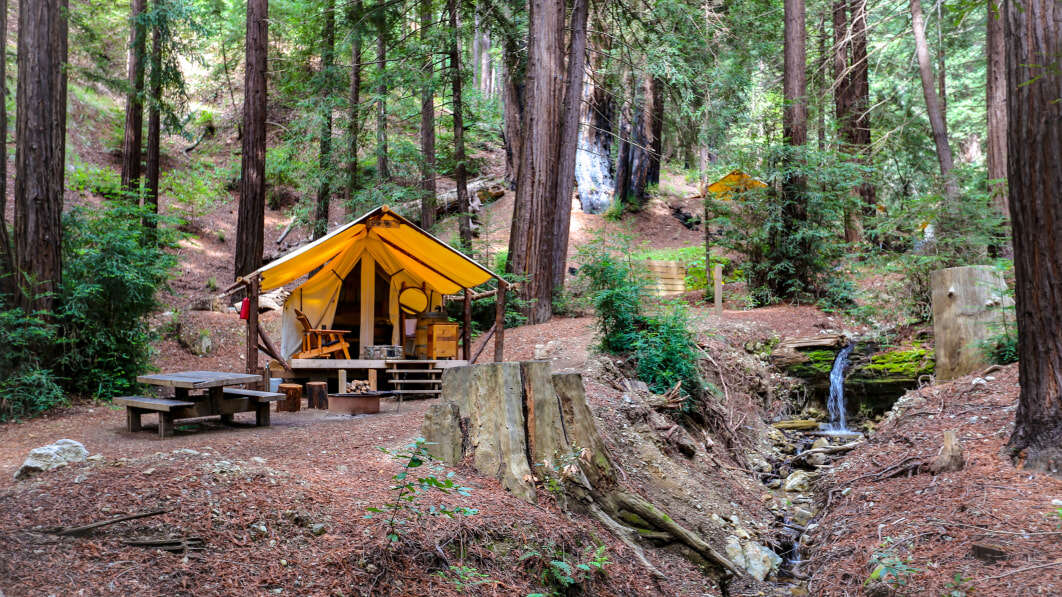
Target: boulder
[(756, 559), (442, 432), (821, 442), (51, 457), (797, 481)]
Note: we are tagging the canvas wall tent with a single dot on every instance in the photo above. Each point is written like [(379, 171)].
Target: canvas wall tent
[(358, 270), (733, 184)]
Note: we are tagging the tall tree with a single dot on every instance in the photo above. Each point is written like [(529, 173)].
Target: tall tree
[(933, 106), (531, 238), (40, 151), (154, 121), (996, 106), (852, 97), (251, 219), (382, 170), (464, 215), (134, 103), (1033, 33), (354, 124), (571, 110), (427, 122), (7, 264), (324, 188), (654, 127)]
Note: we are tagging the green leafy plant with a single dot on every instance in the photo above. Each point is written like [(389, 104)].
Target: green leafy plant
[(957, 587), (464, 578), (888, 567), (404, 508), (563, 575)]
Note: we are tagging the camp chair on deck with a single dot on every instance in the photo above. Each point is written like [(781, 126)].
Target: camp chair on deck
[(319, 343)]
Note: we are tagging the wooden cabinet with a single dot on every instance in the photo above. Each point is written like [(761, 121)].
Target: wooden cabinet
[(442, 340)]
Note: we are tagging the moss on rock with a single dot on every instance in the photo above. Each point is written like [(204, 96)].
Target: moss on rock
[(909, 364)]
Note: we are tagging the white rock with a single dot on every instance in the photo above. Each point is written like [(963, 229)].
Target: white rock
[(977, 381), (51, 457), (258, 460), (822, 442), (756, 559), (797, 481), (801, 516)]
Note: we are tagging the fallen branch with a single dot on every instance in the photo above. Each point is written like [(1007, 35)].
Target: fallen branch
[(86, 529), (1046, 565), (797, 424)]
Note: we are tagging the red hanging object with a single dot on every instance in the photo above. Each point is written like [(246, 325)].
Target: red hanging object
[(245, 308)]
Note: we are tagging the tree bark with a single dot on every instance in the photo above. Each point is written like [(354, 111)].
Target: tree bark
[(382, 170), (514, 71), (623, 157), (1033, 33), (251, 220), (354, 125), (134, 103), (40, 151), (795, 134), (328, 53), (933, 107), (852, 99), (571, 109), (531, 239), (654, 119), (996, 108), (154, 131), (7, 264), (464, 215), (427, 125)]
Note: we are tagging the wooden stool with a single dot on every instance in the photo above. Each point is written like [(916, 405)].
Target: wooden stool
[(292, 397), (317, 394)]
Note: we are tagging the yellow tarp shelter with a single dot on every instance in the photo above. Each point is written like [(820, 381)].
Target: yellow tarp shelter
[(735, 182), (389, 253)]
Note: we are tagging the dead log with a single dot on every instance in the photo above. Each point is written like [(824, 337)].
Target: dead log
[(797, 424), (950, 457), (88, 528)]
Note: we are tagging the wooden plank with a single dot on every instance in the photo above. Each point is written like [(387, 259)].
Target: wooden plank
[(368, 298), (256, 394), (148, 403), (198, 379)]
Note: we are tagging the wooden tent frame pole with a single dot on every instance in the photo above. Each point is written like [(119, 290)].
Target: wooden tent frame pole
[(499, 322), (252, 326), (466, 331)]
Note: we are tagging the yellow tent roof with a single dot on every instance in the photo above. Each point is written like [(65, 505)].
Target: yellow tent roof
[(405, 245), (735, 181)]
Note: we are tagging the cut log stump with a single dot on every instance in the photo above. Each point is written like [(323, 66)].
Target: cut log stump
[(316, 394), (950, 456)]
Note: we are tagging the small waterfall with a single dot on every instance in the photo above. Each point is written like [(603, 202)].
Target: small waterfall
[(835, 405)]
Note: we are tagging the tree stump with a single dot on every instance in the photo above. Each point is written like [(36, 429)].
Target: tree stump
[(967, 301), (292, 397), (317, 394), (950, 456), (524, 426)]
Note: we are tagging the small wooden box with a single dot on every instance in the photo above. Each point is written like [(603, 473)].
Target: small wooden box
[(442, 340)]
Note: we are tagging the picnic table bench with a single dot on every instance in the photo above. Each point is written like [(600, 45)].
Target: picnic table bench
[(215, 398)]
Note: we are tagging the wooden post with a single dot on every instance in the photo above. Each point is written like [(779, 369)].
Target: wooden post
[(372, 379), (292, 397), (317, 394), (252, 327), (499, 322), (342, 385), (368, 298), (466, 332), (967, 305), (717, 274)]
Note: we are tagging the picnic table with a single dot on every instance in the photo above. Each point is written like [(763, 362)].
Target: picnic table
[(198, 394)]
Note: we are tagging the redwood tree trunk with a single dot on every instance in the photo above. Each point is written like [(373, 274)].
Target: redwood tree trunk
[(996, 108), (1034, 142), (7, 265), (154, 130), (852, 98), (354, 125), (795, 134), (40, 134), (514, 68), (464, 215), (933, 108), (654, 120), (427, 124), (249, 228), (382, 170), (531, 239), (569, 139), (134, 103), (324, 190)]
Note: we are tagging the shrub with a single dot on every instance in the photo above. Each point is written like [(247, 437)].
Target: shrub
[(615, 294), (666, 352), (26, 387)]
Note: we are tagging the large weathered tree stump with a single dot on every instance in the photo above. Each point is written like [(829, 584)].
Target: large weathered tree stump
[(967, 305), (522, 425)]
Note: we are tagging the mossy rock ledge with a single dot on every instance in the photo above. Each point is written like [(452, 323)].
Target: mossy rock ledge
[(874, 378)]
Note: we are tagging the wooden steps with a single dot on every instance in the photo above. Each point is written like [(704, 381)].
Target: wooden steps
[(415, 377)]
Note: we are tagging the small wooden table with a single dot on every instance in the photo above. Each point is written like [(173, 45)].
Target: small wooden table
[(217, 400)]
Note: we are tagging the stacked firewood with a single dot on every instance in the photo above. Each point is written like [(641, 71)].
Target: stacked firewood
[(358, 386)]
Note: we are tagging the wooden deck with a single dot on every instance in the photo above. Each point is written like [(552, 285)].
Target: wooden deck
[(335, 364)]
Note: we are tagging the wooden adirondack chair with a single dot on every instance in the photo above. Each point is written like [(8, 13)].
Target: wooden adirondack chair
[(318, 342)]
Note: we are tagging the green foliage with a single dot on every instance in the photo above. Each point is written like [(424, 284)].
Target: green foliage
[(958, 586), (111, 278), (615, 293), (666, 352), (562, 574), (404, 508), (698, 277), (787, 255), (26, 387), (195, 190), (89, 178), (464, 578), (890, 568)]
